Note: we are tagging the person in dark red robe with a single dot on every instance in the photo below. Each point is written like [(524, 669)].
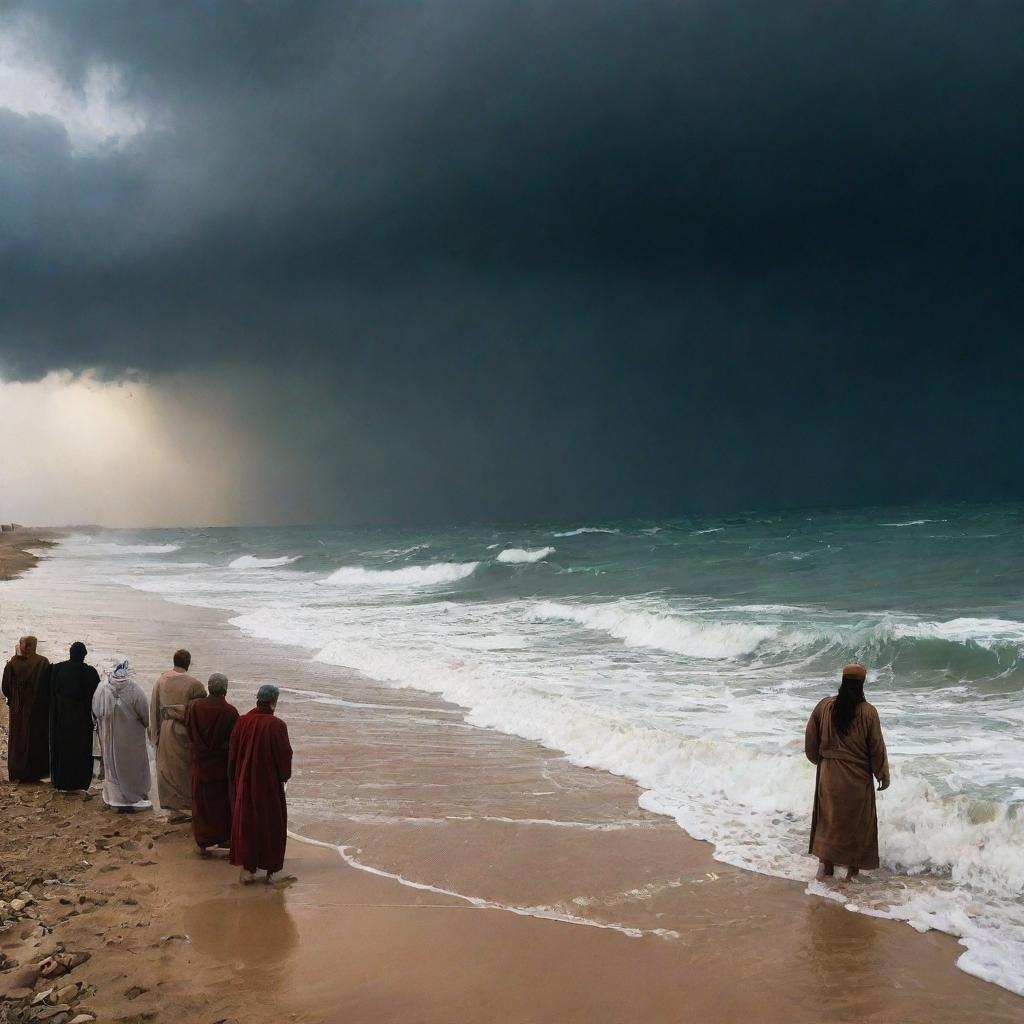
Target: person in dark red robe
[(72, 685), (259, 764), (210, 721), (26, 686)]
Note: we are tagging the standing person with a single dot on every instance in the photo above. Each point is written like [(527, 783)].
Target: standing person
[(259, 764), (844, 739), (121, 712), (167, 733), (210, 721), (26, 686), (72, 686)]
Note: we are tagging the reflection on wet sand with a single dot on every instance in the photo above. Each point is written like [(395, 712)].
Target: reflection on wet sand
[(416, 792), (253, 930)]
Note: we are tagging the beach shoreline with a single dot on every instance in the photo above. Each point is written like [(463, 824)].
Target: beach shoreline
[(16, 554), (475, 862)]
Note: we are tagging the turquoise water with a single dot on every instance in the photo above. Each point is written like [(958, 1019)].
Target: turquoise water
[(687, 654)]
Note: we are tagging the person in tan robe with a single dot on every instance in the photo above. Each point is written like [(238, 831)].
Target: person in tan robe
[(26, 687), (844, 739), (169, 734)]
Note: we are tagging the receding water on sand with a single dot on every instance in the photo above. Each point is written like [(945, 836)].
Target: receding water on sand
[(684, 655)]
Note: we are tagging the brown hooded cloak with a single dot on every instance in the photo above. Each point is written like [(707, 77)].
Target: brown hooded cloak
[(26, 687), (844, 823)]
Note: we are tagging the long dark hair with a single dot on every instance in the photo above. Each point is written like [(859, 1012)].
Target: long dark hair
[(844, 710)]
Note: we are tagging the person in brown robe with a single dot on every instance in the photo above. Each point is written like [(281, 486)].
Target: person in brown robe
[(26, 687), (210, 721), (844, 739), (167, 732), (259, 764)]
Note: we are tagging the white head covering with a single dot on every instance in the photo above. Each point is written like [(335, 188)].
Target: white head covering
[(107, 694), (122, 670)]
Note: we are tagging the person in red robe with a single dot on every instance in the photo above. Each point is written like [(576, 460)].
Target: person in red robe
[(26, 687), (210, 722), (259, 764)]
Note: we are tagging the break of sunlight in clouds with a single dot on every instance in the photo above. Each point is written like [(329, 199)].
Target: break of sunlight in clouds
[(93, 116), (78, 450)]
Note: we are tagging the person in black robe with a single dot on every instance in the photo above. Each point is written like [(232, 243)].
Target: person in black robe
[(26, 688), (72, 685)]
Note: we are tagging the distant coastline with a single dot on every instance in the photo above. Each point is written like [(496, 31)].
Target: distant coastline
[(16, 548)]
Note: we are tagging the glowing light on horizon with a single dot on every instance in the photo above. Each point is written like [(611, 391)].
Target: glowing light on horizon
[(83, 450)]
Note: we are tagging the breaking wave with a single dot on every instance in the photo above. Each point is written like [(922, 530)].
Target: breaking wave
[(94, 549), (689, 667), (752, 803), (693, 637), (966, 648), (518, 555), (584, 529), (412, 575), (251, 562)]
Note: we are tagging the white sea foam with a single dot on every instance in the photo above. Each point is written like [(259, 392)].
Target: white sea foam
[(915, 522), (517, 555), (750, 801), (712, 529), (994, 948), (545, 913), (752, 805), (432, 575), (983, 632), (252, 562), (100, 549), (693, 637), (714, 742), (584, 529)]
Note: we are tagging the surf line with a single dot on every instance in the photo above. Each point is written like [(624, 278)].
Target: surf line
[(544, 913)]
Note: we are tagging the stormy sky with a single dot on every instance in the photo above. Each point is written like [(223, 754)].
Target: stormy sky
[(397, 262)]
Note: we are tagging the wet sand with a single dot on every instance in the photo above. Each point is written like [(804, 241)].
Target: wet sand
[(539, 874), (16, 555)]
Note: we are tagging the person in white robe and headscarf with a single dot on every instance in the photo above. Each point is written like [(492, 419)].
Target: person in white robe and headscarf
[(121, 712)]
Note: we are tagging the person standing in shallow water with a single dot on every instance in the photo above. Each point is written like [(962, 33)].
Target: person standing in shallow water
[(26, 687), (72, 685), (259, 764), (844, 739), (210, 721), (167, 733)]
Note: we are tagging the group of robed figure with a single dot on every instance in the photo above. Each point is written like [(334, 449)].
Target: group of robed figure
[(225, 770), (229, 771)]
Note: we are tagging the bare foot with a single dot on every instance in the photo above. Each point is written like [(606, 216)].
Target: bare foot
[(247, 877), (203, 851), (852, 874), (281, 881), (825, 871)]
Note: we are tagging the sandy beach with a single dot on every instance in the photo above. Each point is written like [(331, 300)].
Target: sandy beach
[(467, 876), (17, 546)]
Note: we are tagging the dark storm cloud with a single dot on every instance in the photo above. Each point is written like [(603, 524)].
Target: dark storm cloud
[(538, 259)]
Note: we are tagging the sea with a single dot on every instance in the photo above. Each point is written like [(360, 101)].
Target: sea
[(686, 654)]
